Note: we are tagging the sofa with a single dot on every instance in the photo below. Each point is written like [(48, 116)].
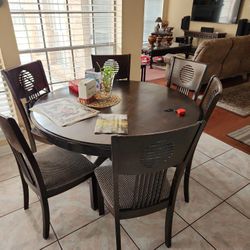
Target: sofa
[(225, 57)]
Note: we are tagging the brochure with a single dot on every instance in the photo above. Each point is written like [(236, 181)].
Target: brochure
[(64, 111), (111, 124)]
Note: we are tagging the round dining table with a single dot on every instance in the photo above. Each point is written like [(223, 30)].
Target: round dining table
[(150, 109)]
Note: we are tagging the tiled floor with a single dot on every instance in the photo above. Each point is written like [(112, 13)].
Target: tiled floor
[(217, 216)]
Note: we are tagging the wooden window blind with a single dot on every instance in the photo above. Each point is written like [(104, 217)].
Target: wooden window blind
[(64, 33)]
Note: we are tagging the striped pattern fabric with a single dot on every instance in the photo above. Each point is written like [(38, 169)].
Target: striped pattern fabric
[(242, 135)]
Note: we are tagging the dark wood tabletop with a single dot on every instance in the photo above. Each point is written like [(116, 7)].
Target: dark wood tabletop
[(144, 103)]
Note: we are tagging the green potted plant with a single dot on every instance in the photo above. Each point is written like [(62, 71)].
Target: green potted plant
[(108, 72)]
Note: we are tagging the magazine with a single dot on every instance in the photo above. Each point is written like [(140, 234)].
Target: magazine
[(64, 111), (111, 124)]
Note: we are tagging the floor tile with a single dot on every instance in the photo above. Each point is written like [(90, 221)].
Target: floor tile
[(236, 160), (8, 167), (212, 146), (219, 179), (148, 231), (199, 158), (225, 228), (188, 239), (201, 201), (5, 149), (22, 229), (241, 201), (11, 195), (71, 210), (97, 235), (53, 246)]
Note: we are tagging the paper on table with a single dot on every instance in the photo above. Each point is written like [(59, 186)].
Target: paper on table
[(64, 111), (111, 124)]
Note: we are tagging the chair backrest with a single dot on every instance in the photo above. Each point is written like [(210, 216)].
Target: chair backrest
[(186, 75), (147, 158), (26, 161), (122, 60), (211, 96), (26, 82)]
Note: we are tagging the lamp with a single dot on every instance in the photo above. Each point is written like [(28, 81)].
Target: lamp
[(157, 27), (158, 20)]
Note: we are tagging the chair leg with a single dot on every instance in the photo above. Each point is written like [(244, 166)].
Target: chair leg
[(117, 233), (168, 226), (25, 195), (93, 193), (93, 185), (46, 217), (100, 200), (25, 192), (186, 181)]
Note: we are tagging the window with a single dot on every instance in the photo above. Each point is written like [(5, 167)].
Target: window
[(152, 10), (64, 33)]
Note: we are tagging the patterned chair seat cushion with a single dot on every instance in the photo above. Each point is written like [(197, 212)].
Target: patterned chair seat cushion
[(61, 167), (127, 199)]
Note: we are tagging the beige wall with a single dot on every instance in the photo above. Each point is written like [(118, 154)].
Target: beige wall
[(132, 32), (8, 44), (174, 10)]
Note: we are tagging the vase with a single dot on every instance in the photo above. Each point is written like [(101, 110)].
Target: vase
[(152, 40), (106, 85)]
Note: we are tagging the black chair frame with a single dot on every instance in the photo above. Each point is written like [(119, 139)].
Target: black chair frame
[(131, 147), (30, 173), (29, 82), (124, 62)]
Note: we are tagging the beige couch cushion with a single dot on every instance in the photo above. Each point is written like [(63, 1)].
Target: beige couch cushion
[(238, 59), (213, 53)]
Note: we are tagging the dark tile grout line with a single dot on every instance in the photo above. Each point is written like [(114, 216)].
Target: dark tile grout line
[(174, 234), (201, 164), (13, 211), (129, 235), (222, 200), (203, 237), (57, 240), (9, 178), (236, 209), (231, 169), (60, 238), (216, 155), (189, 225)]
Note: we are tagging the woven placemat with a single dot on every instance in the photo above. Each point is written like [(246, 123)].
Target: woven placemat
[(99, 104)]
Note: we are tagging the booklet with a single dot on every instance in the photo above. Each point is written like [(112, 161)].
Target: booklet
[(64, 111), (111, 124)]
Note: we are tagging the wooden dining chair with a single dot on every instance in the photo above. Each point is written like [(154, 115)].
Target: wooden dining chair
[(27, 83), (49, 172), (210, 98), (123, 61), (136, 183), (186, 76)]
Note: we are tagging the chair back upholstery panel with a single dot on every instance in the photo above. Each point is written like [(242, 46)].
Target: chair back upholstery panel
[(146, 159), (123, 61), (186, 75), (153, 152), (211, 96), (25, 159)]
